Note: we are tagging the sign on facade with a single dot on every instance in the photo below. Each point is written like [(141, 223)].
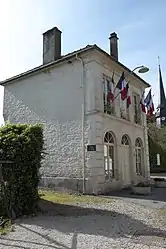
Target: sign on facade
[(91, 147)]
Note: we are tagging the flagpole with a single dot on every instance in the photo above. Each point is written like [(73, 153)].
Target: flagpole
[(116, 95), (118, 92), (142, 69)]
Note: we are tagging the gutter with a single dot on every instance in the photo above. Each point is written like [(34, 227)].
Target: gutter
[(83, 121), (66, 58), (47, 66)]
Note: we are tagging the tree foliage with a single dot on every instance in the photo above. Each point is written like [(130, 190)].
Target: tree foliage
[(23, 145), (157, 143)]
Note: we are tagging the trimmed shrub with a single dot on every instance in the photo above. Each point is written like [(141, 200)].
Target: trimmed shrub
[(23, 145)]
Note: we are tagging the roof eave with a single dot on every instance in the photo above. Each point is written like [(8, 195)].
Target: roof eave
[(67, 57), (42, 67)]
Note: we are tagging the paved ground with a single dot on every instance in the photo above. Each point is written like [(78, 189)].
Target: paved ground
[(127, 222), (156, 200), (158, 175)]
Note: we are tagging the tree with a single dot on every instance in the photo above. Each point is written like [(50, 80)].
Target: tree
[(157, 143)]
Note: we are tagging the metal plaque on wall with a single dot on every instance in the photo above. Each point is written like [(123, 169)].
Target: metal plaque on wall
[(91, 147)]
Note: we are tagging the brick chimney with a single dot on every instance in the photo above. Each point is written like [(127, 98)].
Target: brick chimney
[(114, 45), (51, 45)]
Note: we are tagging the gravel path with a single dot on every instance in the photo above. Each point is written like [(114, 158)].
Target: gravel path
[(120, 224)]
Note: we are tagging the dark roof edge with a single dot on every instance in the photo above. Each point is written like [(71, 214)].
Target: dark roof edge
[(66, 57), (42, 67)]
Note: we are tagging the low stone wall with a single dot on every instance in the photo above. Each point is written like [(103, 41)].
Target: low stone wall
[(63, 184), (141, 190)]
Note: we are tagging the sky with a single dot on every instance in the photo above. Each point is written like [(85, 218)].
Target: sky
[(139, 24)]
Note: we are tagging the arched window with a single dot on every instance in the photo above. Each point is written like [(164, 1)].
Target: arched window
[(125, 140), (109, 154), (138, 156)]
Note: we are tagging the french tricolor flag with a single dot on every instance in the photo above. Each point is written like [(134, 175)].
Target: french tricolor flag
[(149, 104), (123, 86)]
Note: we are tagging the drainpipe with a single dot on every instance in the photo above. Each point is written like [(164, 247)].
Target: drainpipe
[(83, 120)]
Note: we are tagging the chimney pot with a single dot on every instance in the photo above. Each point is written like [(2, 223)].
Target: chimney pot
[(114, 45), (51, 45)]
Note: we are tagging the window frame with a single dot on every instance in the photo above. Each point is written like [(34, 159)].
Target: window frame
[(109, 108), (110, 149), (124, 111), (137, 109), (123, 142)]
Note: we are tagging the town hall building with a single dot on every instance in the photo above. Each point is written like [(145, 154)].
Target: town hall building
[(92, 144)]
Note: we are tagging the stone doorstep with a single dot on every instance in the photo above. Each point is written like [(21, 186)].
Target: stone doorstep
[(142, 190)]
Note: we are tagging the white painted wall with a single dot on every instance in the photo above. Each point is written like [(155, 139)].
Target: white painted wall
[(53, 98)]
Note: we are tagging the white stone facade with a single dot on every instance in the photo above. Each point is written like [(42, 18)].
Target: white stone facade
[(55, 98)]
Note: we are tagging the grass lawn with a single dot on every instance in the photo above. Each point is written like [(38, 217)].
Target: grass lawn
[(6, 229), (66, 198), (162, 211)]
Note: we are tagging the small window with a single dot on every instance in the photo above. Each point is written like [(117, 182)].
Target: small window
[(109, 138), (124, 111), (125, 140), (138, 143), (137, 109), (108, 90), (109, 155)]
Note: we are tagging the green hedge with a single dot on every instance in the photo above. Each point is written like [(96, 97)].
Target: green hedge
[(157, 145), (154, 149), (22, 144)]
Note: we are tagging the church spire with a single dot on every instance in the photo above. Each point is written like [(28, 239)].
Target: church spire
[(162, 93), (162, 99)]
